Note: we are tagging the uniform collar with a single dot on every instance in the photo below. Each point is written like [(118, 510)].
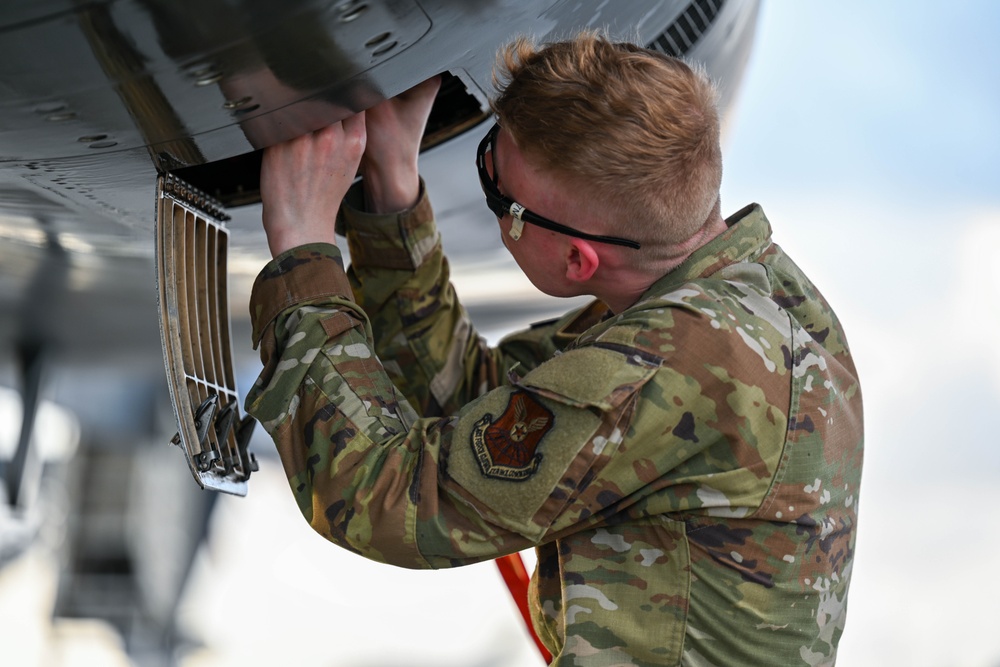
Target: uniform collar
[(747, 236)]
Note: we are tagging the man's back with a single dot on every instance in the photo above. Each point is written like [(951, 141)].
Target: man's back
[(722, 522)]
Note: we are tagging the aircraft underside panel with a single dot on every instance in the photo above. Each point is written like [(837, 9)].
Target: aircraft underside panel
[(192, 243)]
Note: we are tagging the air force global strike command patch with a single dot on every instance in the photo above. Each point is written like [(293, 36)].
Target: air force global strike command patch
[(505, 448)]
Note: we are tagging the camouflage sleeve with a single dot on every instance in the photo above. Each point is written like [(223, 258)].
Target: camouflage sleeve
[(339, 425), (371, 476), (400, 278)]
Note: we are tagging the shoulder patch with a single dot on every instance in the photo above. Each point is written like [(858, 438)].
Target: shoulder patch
[(505, 447)]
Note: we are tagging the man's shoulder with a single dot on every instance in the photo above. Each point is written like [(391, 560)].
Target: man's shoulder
[(721, 302)]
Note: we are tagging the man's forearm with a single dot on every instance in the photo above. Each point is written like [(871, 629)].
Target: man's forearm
[(401, 279)]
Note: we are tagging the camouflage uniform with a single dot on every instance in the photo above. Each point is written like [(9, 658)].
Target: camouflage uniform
[(688, 469)]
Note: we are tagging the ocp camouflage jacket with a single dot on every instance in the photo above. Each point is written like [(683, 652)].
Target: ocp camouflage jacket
[(688, 469)]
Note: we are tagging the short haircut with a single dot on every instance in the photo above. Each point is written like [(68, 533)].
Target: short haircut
[(636, 130)]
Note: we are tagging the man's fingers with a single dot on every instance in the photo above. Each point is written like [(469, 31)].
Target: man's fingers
[(422, 90), (344, 139), (355, 128), (420, 95), (304, 179)]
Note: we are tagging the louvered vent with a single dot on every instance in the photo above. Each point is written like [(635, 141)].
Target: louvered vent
[(192, 243), (687, 28)]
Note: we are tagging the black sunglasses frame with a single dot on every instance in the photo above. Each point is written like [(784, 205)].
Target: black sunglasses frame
[(501, 205)]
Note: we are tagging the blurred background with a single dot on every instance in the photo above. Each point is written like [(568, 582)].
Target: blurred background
[(870, 133)]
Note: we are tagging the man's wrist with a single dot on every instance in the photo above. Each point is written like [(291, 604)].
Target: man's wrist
[(279, 243), (397, 240), (391, 191), (303, 274)]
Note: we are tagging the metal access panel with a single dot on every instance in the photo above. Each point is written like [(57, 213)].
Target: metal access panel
[(191, 247)]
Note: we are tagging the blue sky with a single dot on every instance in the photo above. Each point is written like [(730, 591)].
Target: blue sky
[(890, 99)]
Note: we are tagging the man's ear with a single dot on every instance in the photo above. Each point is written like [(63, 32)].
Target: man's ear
[(582, 260)]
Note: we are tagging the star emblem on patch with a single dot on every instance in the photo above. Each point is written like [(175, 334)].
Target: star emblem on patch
[(505, 448)]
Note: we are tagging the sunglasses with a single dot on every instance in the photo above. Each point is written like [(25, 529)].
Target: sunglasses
[(502, 205)]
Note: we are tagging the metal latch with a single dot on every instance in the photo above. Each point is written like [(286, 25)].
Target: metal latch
[(192, 280)]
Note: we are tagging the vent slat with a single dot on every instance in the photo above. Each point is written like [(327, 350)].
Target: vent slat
[(181, 261), (224, 348), (203, 287), (215, 337), (193, 276)]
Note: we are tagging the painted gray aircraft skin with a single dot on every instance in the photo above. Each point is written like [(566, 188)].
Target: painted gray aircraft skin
[(98, 98)]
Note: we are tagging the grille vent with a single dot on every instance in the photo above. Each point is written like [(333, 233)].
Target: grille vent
[(687, 28), (192, 244)]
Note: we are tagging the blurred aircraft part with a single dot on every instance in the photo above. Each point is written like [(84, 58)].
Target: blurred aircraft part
[(30, 637), (51, 439)]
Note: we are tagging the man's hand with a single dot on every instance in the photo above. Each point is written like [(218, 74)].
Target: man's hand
[(303, 181), (395, 127)]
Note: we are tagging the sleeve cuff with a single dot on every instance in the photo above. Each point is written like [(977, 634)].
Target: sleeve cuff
[(401, 240), (305, 273)]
